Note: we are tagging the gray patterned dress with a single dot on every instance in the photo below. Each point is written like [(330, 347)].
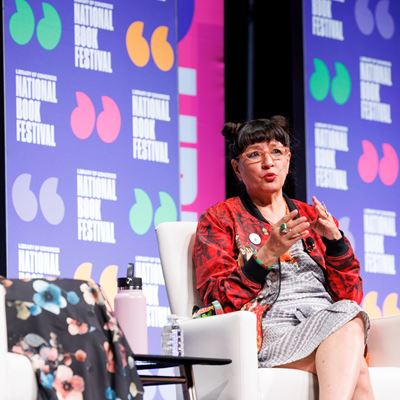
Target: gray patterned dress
[(303, 314)]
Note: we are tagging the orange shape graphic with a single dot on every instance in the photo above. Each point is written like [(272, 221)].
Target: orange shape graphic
[(162, 51), (108, 283), (136, 44), (370, 305), (390, 307), (84, 271)]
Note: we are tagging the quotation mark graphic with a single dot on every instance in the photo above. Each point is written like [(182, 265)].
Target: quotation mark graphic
[(365, 18), (139, 49), (369, 165), (320, 82), (26, 204), (389, 307), (22, 25), (83, 118), (141, 213)]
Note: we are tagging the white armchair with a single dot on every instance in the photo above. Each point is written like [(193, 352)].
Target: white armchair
[(233, 336), (17, 379)]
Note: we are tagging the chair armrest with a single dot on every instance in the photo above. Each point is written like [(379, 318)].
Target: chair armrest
[(231, 336), (17, 379), (19, 369), (3, 343), (3, 321), (383, 342)]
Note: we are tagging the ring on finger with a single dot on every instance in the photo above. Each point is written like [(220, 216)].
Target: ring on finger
[(283, 229), (326, 210)]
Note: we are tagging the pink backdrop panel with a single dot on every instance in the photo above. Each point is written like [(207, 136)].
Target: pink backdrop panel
[(201, 101)]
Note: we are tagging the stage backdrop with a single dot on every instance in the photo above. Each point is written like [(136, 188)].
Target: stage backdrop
[(96, 150), (352, 109), (92, 158), (201, 105)]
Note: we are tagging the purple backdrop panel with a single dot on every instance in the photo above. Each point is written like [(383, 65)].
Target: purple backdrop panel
[(91, 140), (351, 60)]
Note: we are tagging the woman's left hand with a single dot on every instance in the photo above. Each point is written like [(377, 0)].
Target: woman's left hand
[(324, 224)]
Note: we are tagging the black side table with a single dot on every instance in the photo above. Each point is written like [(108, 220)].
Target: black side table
[(185, 364)]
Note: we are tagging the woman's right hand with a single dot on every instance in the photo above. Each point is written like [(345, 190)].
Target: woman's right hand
[(280, 242)]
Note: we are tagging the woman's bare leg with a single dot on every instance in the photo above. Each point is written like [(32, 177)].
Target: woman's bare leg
[(338, 361), (340, 365), (363, 389)]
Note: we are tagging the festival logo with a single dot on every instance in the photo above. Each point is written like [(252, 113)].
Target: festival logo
[(48, 28), (366, 19), (141, 213), (26, 204), (370, 166), (83, 118), (139, 48), (321, 83)]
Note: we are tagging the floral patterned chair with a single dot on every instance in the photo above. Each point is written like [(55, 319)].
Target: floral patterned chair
[(63, 342)]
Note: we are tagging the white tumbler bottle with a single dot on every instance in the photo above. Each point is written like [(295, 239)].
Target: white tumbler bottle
[(130, 311)]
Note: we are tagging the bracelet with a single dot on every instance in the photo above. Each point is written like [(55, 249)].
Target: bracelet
[(260, 263)]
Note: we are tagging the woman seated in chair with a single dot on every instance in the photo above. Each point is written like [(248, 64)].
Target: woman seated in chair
[(288, 262)]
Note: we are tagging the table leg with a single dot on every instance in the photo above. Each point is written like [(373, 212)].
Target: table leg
[(188, 388)]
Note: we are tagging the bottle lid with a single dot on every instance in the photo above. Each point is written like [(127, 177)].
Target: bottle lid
[(173, 319), (131, 281)]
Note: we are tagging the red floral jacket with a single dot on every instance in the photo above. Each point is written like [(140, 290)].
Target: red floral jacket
[(222, 276)]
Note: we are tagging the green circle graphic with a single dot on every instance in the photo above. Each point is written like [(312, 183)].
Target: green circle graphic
[(167, 210), (22, 23), (341, 84), (49, 27), (319, 80), (141, 213)]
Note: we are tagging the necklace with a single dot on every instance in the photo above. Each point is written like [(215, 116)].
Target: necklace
[(253, 210), (272, 219)]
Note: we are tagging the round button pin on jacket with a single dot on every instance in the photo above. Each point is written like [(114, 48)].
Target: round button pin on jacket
[(254, 238)]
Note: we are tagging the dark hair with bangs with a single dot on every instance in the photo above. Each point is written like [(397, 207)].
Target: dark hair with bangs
[(240, 136)]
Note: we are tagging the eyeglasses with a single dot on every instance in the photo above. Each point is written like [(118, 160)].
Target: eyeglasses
[(257, 155)]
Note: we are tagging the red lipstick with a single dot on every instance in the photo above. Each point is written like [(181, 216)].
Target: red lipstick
[(270, 177)]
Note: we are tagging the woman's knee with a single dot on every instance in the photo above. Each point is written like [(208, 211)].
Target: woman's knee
[(363, 388), (355, 327), (364, 371)]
